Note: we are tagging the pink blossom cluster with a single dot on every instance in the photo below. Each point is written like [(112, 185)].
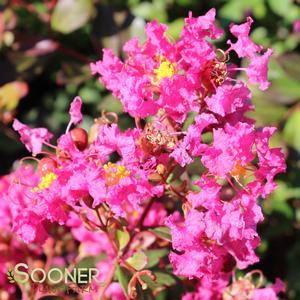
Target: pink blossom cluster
[(13, 249), (189, 112)]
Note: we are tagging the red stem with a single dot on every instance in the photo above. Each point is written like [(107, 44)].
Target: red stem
[(73, 53)]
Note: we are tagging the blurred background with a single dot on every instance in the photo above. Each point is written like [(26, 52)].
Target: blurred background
[(45, 51)]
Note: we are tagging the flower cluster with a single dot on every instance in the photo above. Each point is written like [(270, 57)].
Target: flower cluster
[(13, 249), (118, 193)]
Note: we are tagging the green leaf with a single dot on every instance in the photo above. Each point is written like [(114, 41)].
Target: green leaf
[(260, 36), (123, 238), (162, 279), (138, 260), (143, 294), (154, 256), (190, 120), (162, 232), (149, 11), (187, 3), (266, 112), (278, 200), (175, 28), (89, 95), (290, 131), (11, 93), (87, 263), (288, 88), (123, 277), (70, 15), (234, 10), (110, 103), (290, 63), (280, 7)]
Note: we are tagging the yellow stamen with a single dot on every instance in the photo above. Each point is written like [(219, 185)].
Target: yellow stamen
[(166, 69), (135, 214), (45, 182), (114, 173), (238, 171)]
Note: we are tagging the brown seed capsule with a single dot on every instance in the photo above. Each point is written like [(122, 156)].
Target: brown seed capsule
[(161, 169), (88, 201), (80, 138), (154, 141), (215, 72), (46, 165)]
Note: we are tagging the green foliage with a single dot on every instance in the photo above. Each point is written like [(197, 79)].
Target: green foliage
[(138, 260), (291, 135), (162, 232), (123, 277), (123, 238), (154, 256), (70, 15)]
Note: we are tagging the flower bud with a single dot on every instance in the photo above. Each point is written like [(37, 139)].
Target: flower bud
[(88, 201), (160, 169), (80, 138), (46, 165)]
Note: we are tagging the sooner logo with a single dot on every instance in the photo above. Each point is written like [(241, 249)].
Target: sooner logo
[(54, 275)]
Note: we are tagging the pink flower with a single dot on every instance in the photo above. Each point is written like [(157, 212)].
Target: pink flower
[(149, 79), (210, 190), (271, 160), (244, 47), (206, 290), (66, 145), (203, 26), (230, 145), (194, 49), (29, 227), (296, 26), (245, 288), (111, 139), (109, 68), (129, 83), (75, 110), (226, 224), (228, 99), (186, 108), (191, 143), (157, 39), (115, 292), (178, 97), (265, 293), (32, 138), (83, 183), (257, 71), (12, 248), (156, 215), (196, 254), (23, 219)]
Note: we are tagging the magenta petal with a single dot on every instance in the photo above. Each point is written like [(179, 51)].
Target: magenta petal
[(257, 71), (75, 110), (244, 47), (32, 138)]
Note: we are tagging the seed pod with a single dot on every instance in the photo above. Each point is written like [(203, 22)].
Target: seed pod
[(80, 138), (46, 165), (160, 169), (88, 201)]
